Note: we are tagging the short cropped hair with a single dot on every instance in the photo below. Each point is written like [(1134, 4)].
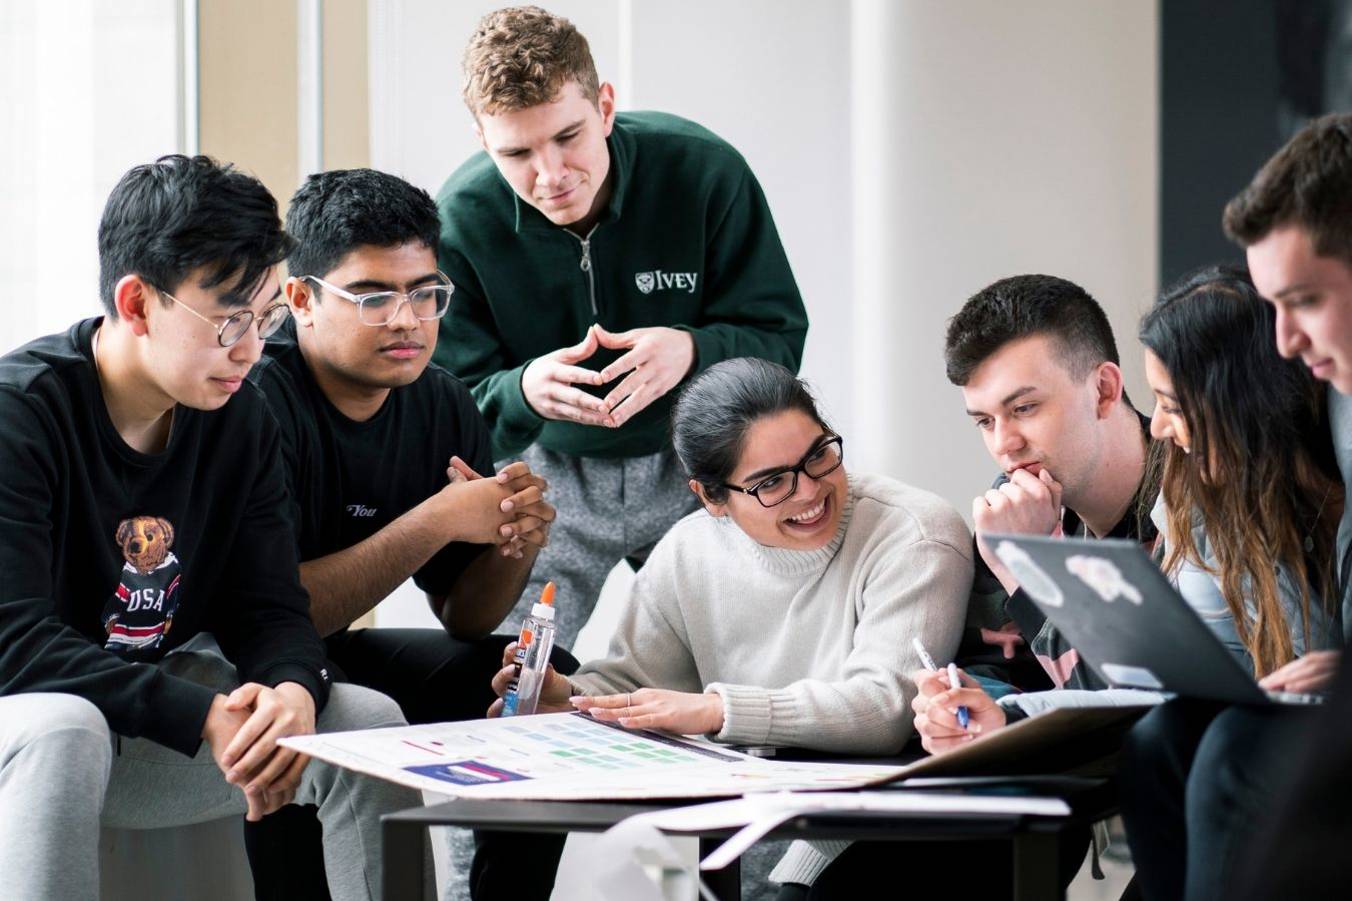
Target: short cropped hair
[(1023, 306), (521, 57), (336, 212), (1308, 183), (166, 219)]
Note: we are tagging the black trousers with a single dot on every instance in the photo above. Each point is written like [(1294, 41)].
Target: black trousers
[(1197, 779), (1300, 849), (434, 679)]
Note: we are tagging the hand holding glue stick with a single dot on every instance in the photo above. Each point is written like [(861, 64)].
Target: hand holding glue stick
[(532, 657), (964, 716)]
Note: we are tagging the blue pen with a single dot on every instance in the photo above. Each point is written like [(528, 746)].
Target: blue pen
[(954, 682), (964, 717)]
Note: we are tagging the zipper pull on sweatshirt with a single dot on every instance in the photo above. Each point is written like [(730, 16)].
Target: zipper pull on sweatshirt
[(585, 263)]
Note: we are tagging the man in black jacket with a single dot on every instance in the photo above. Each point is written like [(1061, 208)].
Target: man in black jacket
[(151, 586)]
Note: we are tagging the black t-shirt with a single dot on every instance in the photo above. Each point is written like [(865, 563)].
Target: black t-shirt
[(351, 479), (111, 557)]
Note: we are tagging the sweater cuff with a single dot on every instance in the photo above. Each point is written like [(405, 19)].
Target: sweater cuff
[(748, 714), (804, 861), (707, 350), (180, 709), (315, 682), (1013, 712), (517, 414)]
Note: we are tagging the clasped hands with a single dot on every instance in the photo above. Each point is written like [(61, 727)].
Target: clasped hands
[(242, 729), (654, 362), (508, 510), (681, 712)]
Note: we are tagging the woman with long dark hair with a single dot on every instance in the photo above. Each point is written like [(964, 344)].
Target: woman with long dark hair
[(1250, 506), (1250, 496)]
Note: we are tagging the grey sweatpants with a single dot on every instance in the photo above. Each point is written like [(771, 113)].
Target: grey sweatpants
[(63, 774), (608, 511)]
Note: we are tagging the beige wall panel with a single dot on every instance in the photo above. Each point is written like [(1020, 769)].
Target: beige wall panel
[(248, 88), (347, 143)]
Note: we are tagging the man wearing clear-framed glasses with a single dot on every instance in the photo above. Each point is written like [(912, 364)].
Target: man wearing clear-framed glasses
[(389, 466), (155, 640)]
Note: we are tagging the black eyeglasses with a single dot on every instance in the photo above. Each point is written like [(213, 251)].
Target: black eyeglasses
[(822, 460)]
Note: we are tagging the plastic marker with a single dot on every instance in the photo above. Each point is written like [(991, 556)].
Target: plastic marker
[(532, 657), (964, 716)]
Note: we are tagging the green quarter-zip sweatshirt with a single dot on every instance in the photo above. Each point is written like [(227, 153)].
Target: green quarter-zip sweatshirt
[(686, 241)]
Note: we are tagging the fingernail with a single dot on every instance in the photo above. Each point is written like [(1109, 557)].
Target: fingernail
[(506, 506)]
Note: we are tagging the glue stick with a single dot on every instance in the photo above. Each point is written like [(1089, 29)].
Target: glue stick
[(532, 657)]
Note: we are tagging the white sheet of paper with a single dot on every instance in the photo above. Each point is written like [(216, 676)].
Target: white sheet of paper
[(762, 813)]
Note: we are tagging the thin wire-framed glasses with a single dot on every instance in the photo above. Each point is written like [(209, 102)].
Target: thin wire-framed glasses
[(821, 460), (234, 327), (379, 308)]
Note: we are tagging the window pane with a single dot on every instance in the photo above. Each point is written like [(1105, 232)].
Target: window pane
[(78, 111)]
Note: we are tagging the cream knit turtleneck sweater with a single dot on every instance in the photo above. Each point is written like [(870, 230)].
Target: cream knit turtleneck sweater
[(807, 648)]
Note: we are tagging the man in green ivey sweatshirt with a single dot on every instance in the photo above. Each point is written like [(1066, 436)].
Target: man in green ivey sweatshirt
[(600, 260)]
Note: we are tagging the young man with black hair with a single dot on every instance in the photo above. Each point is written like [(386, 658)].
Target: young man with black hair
[(600, 259), (1256, 805), (383, 453), (1038, 367), (143, 535)]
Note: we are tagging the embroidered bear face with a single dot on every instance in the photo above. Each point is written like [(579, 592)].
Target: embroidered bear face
[(145, 541)]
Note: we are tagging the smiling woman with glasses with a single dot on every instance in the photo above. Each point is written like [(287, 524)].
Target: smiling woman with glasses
[(783, 612)]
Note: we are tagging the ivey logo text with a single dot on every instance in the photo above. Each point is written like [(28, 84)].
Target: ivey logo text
[(657, 280)]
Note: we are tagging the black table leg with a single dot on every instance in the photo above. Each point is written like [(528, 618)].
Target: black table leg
[(402, 859), (726, 884), (1037, 874)]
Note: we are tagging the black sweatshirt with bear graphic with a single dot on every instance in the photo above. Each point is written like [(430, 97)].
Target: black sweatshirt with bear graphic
[(111, 558)]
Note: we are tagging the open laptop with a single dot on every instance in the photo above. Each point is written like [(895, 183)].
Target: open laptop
[(1127, 621)]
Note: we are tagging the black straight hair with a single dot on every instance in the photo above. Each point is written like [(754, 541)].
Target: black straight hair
[(336, 212), (710, 418), (166, 219)]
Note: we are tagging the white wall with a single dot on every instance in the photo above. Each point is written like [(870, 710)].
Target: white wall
[(990, 139)]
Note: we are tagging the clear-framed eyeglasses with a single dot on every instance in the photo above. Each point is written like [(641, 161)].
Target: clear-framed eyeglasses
[(821, 460), (234, 327), (379, 308)]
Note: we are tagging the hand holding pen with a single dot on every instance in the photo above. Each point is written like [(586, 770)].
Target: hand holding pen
[(964, 716)]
